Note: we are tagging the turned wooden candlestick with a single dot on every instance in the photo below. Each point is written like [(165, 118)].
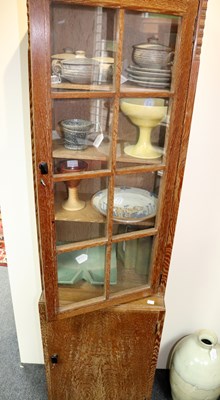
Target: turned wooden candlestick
[(73, 203)]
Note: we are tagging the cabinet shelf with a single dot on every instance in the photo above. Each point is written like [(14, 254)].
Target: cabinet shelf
[(91, 153), (99, 154), (72, 90), (87, 214), (63, 90)]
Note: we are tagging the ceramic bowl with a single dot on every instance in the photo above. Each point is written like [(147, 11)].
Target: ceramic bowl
[(76, 125), (131, 204), (152, 54), (72, 166), (75, 131), (80, 70)]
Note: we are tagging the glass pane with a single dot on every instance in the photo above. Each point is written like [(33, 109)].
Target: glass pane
[(82, 131), (82, 47), (143, 124), (148, 50), (81, 274), (75, 217), (133, 263)]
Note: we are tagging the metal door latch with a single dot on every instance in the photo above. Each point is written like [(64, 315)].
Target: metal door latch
[(43, 168), (54, 359), (43, 183)]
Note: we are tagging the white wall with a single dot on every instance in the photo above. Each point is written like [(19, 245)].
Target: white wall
[(17, 201), (192, 298)]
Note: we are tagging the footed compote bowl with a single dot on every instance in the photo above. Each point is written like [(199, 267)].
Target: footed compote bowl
[(146, 114), (73, 203)]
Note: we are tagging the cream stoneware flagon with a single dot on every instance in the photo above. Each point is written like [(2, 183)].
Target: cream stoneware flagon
[(195, 367)]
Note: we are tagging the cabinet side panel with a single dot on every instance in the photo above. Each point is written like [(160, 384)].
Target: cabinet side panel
[(44, 335), (107, 354), (185, 136)]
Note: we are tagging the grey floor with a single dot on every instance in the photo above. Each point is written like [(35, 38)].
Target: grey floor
[(28, 382)]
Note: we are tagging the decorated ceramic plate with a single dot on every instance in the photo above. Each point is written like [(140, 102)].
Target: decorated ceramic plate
[(131, 204)]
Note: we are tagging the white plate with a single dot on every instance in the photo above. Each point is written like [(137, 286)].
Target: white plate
[(153, 85), (131, 204), (155, 71), (150, 75), (150, 79)]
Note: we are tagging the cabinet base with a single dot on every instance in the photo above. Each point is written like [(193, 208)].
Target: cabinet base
[(103, 355)]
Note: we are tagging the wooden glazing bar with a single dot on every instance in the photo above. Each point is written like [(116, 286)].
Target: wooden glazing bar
[(140, 169), (65, 248), (126, 91), (81, 95), (81, 175), (134, 235), (67, 311), (173, 7), (109, 235), (119, 38), (107, 270), (134, 92), (92, 3)]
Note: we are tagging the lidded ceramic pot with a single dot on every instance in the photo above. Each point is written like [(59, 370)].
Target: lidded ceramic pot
[(195, 367), (152, 54), (77, 69)]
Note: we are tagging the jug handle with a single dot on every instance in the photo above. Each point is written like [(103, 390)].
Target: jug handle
[(170, 57), (56, 67)]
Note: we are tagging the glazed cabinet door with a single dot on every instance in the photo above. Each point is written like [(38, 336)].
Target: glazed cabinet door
[(109, 84)]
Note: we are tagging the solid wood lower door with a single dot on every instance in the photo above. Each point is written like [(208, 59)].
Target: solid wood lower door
[(104, 355)]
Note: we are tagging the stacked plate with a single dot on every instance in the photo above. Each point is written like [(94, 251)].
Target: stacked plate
[(149, 78)]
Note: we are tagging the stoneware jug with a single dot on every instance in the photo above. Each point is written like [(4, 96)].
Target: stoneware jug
[(195, 367)]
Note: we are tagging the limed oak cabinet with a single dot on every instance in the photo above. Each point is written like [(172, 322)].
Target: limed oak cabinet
[(112, 87)]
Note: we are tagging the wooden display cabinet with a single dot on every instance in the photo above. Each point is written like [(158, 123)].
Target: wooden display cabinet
[(112, 88)]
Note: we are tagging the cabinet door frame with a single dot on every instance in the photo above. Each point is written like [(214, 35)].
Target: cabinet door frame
[(184, 83)]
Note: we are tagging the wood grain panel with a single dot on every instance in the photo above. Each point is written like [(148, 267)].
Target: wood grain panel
[(184, 146), (175, 7), (105, 355), (175, 145), (41, 128)]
